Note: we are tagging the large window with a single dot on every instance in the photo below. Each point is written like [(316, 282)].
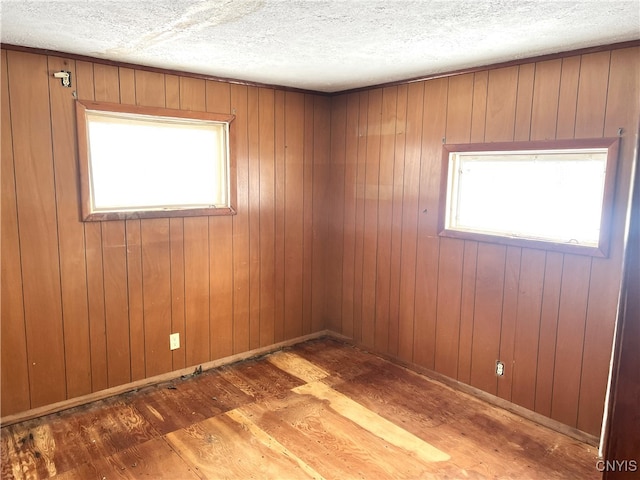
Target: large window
[(140, 162), (553, 195)]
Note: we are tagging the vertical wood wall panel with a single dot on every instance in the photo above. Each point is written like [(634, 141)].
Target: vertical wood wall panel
[(266, 107), (253, 133), (156, 292), (278, 287), (527, 330), (371, 197), (526, 75), (349, 213), (428, 247), (487, 316), (241, 259), (335, 204), (385, 211), (361, 156), (73, 270), (512, 271), (322, 151), (294, 210), (15, 368), (396, 229), (221, 281), (37, 224), (411, 193), (307, 294), (449, 282)]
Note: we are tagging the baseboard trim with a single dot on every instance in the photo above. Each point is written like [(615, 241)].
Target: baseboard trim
[(110, 392), (480, 394)]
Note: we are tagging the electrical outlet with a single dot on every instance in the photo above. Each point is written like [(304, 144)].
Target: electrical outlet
[(499, 368), (174, 341)]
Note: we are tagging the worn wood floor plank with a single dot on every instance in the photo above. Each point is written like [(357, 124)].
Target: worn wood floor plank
[(174, 405), (321, 409), (224, 447), (153, 459), (297, 366), (374, 423)]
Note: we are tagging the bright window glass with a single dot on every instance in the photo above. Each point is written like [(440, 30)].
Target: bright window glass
[(553, 196), (142, 162)]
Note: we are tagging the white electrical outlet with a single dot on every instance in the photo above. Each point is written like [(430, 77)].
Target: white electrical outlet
[(499, 368), (174, 341)]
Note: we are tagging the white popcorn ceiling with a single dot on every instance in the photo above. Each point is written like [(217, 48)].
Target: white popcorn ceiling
[(322, 45)]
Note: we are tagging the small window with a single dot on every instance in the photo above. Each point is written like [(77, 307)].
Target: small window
[(140, 162), (552, 195)]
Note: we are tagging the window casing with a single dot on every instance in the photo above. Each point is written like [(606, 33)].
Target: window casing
[(142, 162), (552, 195)]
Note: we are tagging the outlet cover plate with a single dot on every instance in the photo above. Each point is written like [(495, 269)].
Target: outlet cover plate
[(174, 341)]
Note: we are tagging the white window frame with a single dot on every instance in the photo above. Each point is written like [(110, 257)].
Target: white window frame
[(220, 200), (511, 152)]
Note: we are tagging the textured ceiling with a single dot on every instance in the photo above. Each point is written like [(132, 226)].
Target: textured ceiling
[(324, 45)]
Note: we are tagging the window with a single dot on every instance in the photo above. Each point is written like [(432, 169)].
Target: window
[(138, 162), (552, 195)]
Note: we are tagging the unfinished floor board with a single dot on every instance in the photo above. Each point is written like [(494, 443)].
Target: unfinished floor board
[(321, 410), (174, 405), (231, 446), (153, 459)]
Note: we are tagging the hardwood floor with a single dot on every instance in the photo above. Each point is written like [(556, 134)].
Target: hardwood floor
[(321, 409)]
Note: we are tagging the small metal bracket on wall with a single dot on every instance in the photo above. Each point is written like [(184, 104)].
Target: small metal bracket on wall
[(65, 78)]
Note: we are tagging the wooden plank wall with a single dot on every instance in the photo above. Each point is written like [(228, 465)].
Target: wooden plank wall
[(457, 306), (87, 306), (337, 228)]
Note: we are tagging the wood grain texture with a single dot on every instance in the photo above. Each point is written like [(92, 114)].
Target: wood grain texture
[(294, 210), (370, 216), (396, 230), (411, 195), (330, 231), (104, 296), (335, 221), (240, 227), (349, 214), (15, 378), (428, 247), (278, 287), (37, 224), (267, 234), (308, 228), (73, 269), (515, 304), (300, 413), (385, 212), (221, 281), (321, 175)]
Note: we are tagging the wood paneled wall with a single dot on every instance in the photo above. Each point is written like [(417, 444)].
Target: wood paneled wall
[(457, 306), (337, 228), (87, 306)]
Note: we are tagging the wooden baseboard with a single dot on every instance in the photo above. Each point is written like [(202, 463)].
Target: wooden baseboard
[(482, 395), (165, 377)]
